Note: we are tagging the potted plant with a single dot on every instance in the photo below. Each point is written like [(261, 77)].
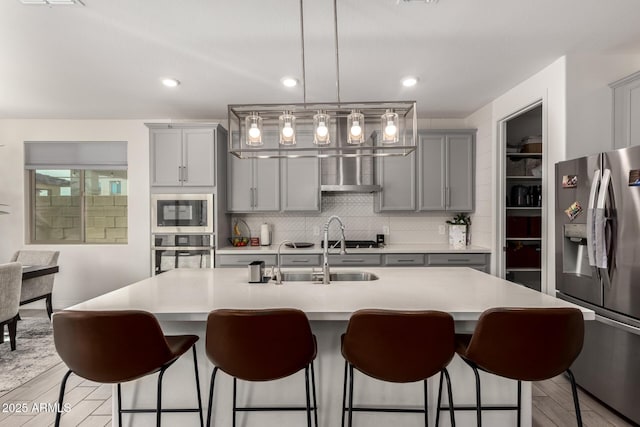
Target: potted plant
[(459, 235)]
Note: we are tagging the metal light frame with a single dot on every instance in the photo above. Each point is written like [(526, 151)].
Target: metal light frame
[(304, 147), (304, 143)]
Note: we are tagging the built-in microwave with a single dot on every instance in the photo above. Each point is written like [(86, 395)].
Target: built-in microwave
[(182, 213)]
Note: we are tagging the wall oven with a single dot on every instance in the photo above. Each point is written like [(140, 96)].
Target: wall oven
[(182, 213), (171, 251)]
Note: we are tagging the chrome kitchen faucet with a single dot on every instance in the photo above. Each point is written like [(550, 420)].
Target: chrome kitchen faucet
[(325, 252), (278, 274)]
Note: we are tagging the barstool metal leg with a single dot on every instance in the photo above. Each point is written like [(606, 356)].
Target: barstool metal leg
[(478, 400), (519, 401), (344, 390), (63, 385), (159, 403), (350, 395), (315, 404), (426, 405), (306, 384), (119, 405), (234, 402), (439, 402), (576, 403), (211, 385), (450, 392), (195, 365)]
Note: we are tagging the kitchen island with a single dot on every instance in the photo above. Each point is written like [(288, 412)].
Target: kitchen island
[(182, 298)]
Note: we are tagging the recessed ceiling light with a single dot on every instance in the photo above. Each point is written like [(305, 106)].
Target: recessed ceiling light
[(409, 81), (170, 82), (289, 81)]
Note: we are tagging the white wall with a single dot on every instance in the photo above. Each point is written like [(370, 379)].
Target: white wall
[(547, 86), (589, 100), (482, 231), (85, 270)]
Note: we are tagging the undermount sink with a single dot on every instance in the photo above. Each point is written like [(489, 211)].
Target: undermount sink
[(343, 276)]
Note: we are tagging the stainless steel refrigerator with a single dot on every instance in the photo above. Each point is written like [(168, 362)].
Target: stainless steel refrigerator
[(598, 266)]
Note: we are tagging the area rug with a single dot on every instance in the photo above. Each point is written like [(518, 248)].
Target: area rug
[(34, 354)]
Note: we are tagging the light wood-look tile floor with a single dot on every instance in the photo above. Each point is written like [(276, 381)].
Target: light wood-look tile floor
[(91, 404)]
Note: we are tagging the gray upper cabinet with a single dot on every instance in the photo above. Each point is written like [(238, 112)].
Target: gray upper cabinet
[(300, 185), (183, 157), (431, 172), (626, 111), (253, 185), (397, 177), (446, 170)]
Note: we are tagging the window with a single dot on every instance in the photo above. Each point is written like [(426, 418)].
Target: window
[(73, 199)]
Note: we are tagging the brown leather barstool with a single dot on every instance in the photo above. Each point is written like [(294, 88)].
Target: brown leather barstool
[(118, 346), (400, 347), (523, 344), (261, 345)]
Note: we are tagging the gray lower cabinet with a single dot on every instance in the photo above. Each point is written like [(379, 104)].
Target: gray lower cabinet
[(479, 261), (300, 185), (402, 260), (298, 260), (183, 156), (355, 260), (244, 260), (446, 170), (253, 185)]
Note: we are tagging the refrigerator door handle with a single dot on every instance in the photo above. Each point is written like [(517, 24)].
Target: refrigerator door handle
[(590, 214), (627, 328), (600, 222)]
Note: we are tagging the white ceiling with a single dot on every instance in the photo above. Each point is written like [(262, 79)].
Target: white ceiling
[(105, 60)]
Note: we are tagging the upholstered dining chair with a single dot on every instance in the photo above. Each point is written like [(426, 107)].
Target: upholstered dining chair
[(10, 279), (41, 287)]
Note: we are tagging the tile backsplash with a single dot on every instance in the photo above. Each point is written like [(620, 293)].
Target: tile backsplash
[(361, 222)]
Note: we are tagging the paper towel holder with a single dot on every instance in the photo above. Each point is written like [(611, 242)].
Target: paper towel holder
[(265, 235)]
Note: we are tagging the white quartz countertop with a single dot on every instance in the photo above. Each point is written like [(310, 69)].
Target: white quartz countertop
[(388, 249), (190, 294)]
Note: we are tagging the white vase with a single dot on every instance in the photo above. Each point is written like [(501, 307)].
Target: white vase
[(457, 235)]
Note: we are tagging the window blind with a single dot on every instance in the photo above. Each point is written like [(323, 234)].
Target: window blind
[(75, 155)]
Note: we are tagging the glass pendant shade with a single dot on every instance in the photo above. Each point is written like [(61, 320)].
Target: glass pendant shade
[(355, 124), (287, 129), (321, 123), (253, 124), (389, 125)]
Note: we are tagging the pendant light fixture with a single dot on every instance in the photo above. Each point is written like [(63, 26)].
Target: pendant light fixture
[(355, 124), (254, 129), (321, 123), (389, 126), (323, 129), (287, 128)]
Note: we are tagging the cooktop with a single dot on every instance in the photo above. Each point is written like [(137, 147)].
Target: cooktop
[(352, 244)]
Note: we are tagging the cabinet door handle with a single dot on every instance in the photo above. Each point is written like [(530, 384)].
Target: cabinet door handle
[(186, 175), (300, 261), (255, 198), (405, 260), (251, 197), (179, 173), (459, 260), (351, 260)]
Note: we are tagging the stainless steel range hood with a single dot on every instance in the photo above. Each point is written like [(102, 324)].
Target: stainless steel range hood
[(347, 174)]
